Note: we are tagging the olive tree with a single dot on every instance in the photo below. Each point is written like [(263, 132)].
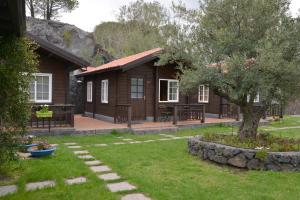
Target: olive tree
[(241, 50)]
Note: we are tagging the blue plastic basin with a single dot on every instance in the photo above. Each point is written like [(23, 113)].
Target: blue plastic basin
[(41, 153)]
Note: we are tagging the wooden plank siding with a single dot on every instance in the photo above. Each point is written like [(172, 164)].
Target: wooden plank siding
[(119, 90), (60, 77)]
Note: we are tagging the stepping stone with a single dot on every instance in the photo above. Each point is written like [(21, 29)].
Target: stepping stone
[(81, 152), (73, 181), (119, 143), (93, 162), (176, 138), (86, 157), (120, 137), (100, 145), (135, 142), (24, 156), (39, 185), (149, 141), (102, 168), (127, 139), (165, 139), (119, 187), (136, 196), (74, 147), (54, 145), (9, 189), (109, 177), (70, 143)]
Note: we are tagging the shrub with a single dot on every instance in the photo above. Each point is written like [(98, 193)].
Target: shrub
[(17, 63)]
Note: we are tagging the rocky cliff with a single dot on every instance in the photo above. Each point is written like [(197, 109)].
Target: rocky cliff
[(70, 38)]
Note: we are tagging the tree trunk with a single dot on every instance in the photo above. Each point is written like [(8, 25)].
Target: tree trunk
[(251, 118), (31, 9)]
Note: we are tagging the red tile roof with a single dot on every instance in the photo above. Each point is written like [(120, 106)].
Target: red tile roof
[(121, 62)]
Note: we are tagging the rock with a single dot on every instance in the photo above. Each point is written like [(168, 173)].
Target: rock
[(238, 161), (254, 164), (220, 159), (273, 167), (67, 37), (249, 154)]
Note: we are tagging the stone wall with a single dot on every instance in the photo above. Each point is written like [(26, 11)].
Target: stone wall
[(244, 158)]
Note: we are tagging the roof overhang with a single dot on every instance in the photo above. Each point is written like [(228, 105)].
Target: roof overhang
[(80, 62)]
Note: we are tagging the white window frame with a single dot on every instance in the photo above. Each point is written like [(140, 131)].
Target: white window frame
[(203, 94), (49, 100), (104, 91), (256, 99), (168, 94), (89, 90)]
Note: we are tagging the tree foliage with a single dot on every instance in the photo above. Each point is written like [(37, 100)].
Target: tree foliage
[(50, 9), (255, 47), (17, 63), (140, 27)]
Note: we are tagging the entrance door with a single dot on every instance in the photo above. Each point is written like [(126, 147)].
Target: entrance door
[(137, 95)]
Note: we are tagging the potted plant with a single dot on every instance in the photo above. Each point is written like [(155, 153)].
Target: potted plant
[(42, 149), (44, 112)]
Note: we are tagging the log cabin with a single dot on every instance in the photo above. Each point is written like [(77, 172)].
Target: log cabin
[(51, 83), (135, 87)]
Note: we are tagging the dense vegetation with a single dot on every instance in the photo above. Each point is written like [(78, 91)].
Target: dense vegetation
[(17, 63)]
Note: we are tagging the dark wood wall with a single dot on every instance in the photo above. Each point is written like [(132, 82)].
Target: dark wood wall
[(60, 76)]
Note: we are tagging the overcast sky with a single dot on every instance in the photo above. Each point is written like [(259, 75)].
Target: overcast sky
[(93, 12)]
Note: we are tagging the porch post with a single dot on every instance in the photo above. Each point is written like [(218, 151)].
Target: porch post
[(129, 116), (221, 108), (175, 113), (203, 115), (117, 96), (281, 111), (238, 114), (156, 94), (72, 116)]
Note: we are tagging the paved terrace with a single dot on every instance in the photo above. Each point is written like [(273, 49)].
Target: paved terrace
[(87, 125)]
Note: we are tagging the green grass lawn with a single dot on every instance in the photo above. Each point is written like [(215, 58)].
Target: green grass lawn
[(162, 170)]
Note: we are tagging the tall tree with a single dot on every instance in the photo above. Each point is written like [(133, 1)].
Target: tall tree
[(254, 46), (140, 27), (49, 9)]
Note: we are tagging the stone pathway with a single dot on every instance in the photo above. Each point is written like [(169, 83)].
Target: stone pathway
[(92, 162), (6, 190), (136, 196), (86, 157), (120, 187), (81, 152), (109, 177), (100, 168), (73, 181), (39, 185), (105, 173), (74, 147)]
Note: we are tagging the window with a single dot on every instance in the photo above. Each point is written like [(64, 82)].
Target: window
[(137, 88), (41, 88), (104, 91), (89, 91), (256, 99), (203, 96), (168, 90)]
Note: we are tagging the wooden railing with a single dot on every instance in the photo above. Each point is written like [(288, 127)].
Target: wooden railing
[(189, 112), (275, 110), (229, 111), (123, 114), (63, 116)]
